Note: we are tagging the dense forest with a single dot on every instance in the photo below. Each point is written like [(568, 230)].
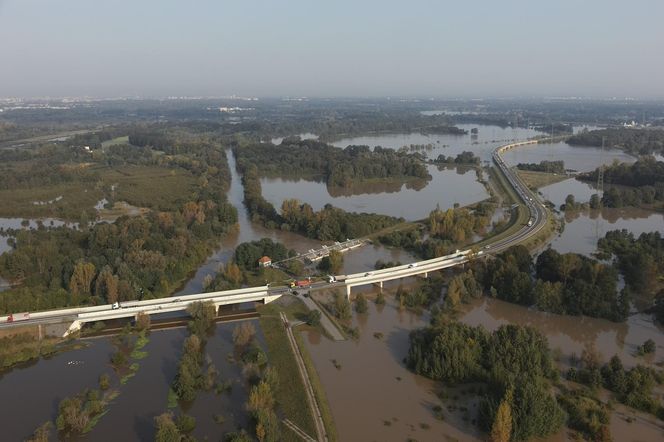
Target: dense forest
[(444, 231), (567, 283), (633, 387), (133, 258), (328, 224), (544, 166), (514, 363), (631, 184), (634, 141), (464, 157), (339, 167), (640, 260)]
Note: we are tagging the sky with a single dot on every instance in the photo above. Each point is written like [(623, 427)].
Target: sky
[(333, 48)]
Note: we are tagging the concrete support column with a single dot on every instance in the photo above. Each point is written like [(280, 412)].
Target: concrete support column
[(348, 292), (380, 284), (426, 275)]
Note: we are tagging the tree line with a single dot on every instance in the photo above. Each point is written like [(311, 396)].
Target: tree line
[(464, 157), (328, 224), (640, 260), (544, 166), (634, 141), (631, 184), (514, 363), (567, 283), (338, 167)]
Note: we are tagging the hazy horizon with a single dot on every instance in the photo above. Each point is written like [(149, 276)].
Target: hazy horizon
[(375, 49)]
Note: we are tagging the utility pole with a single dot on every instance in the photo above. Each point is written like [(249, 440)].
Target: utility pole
[(600, 173)]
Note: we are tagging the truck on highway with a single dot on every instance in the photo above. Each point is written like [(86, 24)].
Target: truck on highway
[(302, 283), (15, 317), (530, 222)]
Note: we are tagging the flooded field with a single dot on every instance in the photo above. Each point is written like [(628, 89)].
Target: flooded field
[(481, 144), (373, 396), (583, 228), (412, 201), (569, 335), (578, 158), (41, 385)]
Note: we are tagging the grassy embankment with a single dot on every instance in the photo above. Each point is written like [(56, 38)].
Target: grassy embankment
[(292, 397), (26, 347), (535, 180), (519, 217)]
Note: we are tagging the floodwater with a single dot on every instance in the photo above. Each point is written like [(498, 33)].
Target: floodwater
[(412, 201), (569, 335), (579, 158), (303, 136), (482, 144), (557, 192), (25, 223), (583, 228), (373, 396), (36, 389), (355, 260), (31, 393), (373, 386)]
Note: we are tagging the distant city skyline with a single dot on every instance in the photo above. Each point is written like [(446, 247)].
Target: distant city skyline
[(513, 48)]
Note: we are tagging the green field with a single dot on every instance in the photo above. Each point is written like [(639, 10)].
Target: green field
[(292, 398), (114, 141), (152, 187)]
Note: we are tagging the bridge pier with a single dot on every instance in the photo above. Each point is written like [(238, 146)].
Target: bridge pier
[(348, 292)]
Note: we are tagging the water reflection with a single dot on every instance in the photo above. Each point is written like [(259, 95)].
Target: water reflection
[(354, 261), (412, 201), (579, 158), (570, 334), (583, 228), (487, 138)]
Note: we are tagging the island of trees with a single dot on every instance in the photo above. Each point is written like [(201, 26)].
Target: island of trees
[(544, 166), (637, 184), (338, 167)]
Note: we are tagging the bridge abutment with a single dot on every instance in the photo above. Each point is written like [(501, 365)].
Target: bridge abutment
[(73, 328)]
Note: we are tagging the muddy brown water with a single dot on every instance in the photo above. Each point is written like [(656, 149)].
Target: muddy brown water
[(373, 396), (34, 390)]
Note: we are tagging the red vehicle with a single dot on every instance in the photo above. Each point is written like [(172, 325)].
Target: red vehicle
[(18, 317), (302, 283)]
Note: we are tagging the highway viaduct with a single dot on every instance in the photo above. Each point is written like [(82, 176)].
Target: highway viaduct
[(81, 315)]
